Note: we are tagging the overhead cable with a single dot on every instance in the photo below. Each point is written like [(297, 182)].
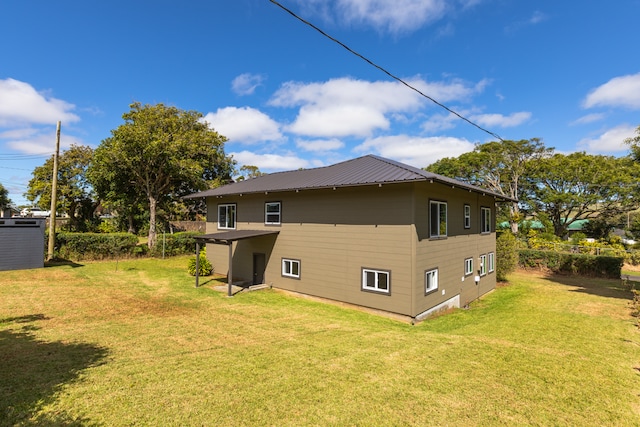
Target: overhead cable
[(386, 72)]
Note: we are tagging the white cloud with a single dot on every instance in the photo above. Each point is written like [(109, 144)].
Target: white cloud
[(244, 125), (589, 118), (535, 19), (439, 122), (396, 16), (415, 151), (500, 120), (320, 145), (610, 141), (270, 162), (623, 91), (43, 141), (348, 107), (21, 104), (246, 84)]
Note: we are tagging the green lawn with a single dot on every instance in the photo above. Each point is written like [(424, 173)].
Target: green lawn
[(134, 343)]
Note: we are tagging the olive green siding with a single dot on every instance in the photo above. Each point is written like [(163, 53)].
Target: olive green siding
[(336, 233)]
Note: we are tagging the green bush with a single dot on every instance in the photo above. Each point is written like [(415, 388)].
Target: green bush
[(506, 254), (80, 246), (206, 269), (566, 263), (176, 244)]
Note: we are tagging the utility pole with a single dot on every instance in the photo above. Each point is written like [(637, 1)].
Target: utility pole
[(54, 197)]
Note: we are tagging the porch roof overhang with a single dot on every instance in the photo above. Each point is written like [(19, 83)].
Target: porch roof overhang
[(227, 237)]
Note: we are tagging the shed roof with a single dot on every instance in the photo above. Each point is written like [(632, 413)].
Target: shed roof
[(362, 171)]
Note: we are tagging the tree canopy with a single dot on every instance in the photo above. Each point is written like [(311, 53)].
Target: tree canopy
[(75, 195), (560, 188), (578, 186), (159, 153), (4, 198), (499, 166)]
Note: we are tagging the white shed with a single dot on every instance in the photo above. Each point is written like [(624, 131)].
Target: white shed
[(21, 243)]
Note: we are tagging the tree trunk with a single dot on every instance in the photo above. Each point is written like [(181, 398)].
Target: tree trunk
[(132, 228), (515, 217), (151, 241)]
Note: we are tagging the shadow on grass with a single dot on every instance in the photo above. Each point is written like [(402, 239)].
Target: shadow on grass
[(58, 262), (608, 288), (32, 371)]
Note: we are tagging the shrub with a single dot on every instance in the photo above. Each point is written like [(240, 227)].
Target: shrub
[(506, 254), (176, 244), (79, 246), (206, 269), (566, 263)]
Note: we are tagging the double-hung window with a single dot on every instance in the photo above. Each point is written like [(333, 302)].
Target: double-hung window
[(483, 265), (467, 216), (468, 266), (430, 280), (376, 280), (438, 219), (272, 213), (227, 217), (291, 268), (485, 220), (491, 262)]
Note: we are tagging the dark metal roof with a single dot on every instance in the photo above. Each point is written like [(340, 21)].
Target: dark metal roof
[(366, 170), (227, 237)]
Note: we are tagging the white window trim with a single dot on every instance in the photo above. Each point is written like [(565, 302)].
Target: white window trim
[(467, 216), (375, 288), (446, 225), (483, 265), (290, 262), (468, 266), (433, 274), (491, 262), (266, 213), (227, 206), (485, 220)]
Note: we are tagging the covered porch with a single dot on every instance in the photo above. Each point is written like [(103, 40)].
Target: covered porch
[(227, 238)]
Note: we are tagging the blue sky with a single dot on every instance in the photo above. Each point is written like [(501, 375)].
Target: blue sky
[(287, 97)]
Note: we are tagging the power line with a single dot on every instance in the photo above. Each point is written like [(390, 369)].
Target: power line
[(385, 71)]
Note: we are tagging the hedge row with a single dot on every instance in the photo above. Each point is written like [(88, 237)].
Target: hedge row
[(566, 263), (88, 246), (82, 246), (182, 243)]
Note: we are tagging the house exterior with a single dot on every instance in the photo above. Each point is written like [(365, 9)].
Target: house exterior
[(369, 231)]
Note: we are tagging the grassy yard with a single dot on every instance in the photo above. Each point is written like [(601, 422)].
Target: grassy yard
[(134, 343)]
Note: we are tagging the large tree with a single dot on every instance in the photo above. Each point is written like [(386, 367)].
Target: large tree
[(74, 194), (498, 166), (5, 201), (578, 186), (159, 153)]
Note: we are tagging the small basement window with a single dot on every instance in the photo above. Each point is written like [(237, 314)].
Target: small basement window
[(291, 268), (430, 280), (376, 280)]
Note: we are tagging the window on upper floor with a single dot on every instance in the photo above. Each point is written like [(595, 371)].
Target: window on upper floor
[(227, 217), (485, 220), (272, 212), (467, 216), (438, 219), (376, 280)]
